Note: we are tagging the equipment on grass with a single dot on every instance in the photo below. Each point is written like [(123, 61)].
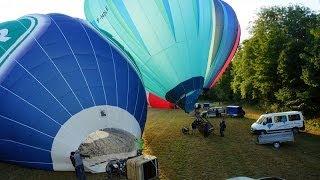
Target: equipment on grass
[(116, 168), (142, 167), (185, 130), (276, 138), (202, 124)]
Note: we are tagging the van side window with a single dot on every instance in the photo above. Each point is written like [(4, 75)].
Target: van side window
[(268, 120), (294, 117), (278, 119)]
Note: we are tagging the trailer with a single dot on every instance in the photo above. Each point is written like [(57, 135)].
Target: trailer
[(276, 138)]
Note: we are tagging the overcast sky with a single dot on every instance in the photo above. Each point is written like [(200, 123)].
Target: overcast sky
[(246, 9)]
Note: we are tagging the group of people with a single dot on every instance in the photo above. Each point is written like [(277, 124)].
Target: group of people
[(222, 124)]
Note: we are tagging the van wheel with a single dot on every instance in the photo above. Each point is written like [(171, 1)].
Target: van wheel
[(276, 145), (295, 130)]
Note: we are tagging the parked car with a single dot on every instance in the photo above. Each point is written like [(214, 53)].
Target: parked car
[(213, 112), (206, 106), (235, 111), (270, 122)]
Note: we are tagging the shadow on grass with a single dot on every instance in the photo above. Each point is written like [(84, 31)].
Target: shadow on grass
[(14, 172)]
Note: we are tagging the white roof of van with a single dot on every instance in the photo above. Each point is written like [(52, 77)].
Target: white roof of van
[(233, 106), (287, 112)]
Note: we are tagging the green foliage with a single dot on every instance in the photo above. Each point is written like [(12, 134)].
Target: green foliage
[(139, 143), (222, 91), (279, 66)]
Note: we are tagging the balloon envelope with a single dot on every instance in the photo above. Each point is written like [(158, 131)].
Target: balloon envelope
[(155, 101), (179, 46), (60, 81)]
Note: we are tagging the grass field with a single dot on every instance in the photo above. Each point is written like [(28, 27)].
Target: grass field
[(194, 157)]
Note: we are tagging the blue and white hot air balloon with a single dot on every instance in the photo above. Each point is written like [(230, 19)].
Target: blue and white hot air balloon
[(60, 82)]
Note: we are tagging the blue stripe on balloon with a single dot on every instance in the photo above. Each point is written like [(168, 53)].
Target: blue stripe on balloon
[(125, 14), (169, 15), (30, 157), (226, 43), (197, 15), (227, 40)]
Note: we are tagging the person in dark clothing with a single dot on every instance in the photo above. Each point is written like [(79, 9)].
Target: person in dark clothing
[(223, 126), (217, 113), (197, 111), (72, 159), (76, 160)]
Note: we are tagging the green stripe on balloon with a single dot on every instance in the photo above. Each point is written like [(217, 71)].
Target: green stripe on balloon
[(13, 36)]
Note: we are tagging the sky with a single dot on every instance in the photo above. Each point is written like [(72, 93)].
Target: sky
[(246, 10)]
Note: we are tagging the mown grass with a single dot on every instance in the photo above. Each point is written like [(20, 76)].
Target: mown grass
[(194, 157)]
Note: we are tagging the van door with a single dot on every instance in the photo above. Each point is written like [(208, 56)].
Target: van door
[(281, 122), (268, 124)]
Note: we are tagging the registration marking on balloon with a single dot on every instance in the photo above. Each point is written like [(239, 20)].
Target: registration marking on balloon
[(103, 14), (4, 35)]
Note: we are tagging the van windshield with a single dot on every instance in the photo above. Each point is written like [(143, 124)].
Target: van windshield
[(260, 120)]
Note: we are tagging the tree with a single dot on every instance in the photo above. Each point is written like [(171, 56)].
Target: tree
[(279, 66), (222, 92)]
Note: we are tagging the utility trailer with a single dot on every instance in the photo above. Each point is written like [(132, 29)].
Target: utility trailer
[(276, 138)]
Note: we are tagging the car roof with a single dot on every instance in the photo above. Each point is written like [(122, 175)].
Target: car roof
[(233, 106), (282, 113)]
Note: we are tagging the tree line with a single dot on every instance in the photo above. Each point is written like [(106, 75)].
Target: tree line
[(278, 68)]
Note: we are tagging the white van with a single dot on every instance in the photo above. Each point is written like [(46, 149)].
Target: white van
[(279, 121)]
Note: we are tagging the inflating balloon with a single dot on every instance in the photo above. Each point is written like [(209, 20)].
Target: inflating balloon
[(155, 101), (60, 82), (225, 42), (179, 46)]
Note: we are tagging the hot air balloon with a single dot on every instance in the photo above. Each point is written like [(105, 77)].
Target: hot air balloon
[(61, 85), (155, 101), (179, 46), (226, 40)]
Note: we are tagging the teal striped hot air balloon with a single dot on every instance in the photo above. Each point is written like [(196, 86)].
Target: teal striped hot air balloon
[(180, 46)]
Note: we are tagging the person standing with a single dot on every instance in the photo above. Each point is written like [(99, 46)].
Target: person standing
[(223, 126), (197, 111), (76, 159), (217, 113)]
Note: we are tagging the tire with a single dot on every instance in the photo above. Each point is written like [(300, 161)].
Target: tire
[(276, 145), (295, 131)]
